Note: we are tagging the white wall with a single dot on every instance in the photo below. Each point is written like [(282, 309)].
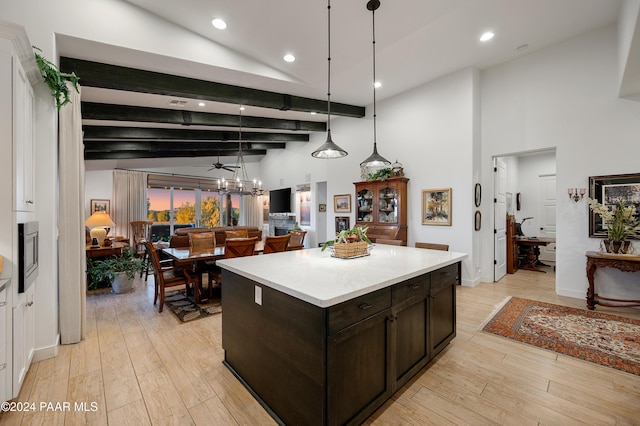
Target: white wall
[(98, 185), (564, 97)]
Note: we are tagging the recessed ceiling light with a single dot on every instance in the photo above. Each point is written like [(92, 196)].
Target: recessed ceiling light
[(289, 57), (313, 113), (377, 84), (219, 23), (241, 108), (487, 36), (201, 104)]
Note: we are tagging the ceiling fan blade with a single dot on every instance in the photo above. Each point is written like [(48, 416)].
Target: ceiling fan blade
[(228, 168)]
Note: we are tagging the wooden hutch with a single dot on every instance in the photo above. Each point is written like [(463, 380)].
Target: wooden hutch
[(382, 206)]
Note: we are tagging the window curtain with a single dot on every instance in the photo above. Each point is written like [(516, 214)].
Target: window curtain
[(129, 200), (71, 217), (252, 210)]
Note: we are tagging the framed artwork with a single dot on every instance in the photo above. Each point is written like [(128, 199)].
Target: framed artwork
[(608, 191), (342, 203), (100, 206), (436, 206), (322, 207), (342, 223), (478, 220), (478, 196)]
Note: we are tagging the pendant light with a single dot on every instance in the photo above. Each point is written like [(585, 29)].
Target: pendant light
[(375, 161), (329, 149)]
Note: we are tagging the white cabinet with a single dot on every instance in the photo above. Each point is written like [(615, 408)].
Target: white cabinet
[(23, 140), (23, 338), (4, 343)]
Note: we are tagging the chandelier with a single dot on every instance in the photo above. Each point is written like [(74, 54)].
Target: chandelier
[(240, 183)]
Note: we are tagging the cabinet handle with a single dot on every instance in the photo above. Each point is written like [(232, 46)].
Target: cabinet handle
[(2, 304), (415, 286), (29, 201), (3, 366), (364, 306), (30, 303)]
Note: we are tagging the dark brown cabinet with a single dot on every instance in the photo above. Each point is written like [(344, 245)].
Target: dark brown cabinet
[(382, 206), (512, 246), (442, 308)]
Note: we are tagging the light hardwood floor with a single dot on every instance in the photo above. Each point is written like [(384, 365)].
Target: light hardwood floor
[(141, 367)]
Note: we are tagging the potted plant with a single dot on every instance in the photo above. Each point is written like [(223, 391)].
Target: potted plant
[(620, 222), (350, 243), (117, 271)]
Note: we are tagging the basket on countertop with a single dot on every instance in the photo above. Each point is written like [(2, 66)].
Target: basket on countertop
[(350, 250)]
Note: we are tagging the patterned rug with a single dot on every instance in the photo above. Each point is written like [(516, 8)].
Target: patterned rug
[(604, 339), (186, 310)]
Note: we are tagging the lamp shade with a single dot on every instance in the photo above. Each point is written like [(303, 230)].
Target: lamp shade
[(101, 219), (329, 149)]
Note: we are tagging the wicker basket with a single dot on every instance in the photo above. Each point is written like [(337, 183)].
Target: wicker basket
[(348, 250)]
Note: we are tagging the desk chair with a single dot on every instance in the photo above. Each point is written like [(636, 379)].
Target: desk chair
[(433, 246), (296, 242), (276, 244), (167, 276)]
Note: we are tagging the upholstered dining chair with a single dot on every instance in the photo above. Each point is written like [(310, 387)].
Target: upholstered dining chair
[(236, 247), (433, 246), (240, 233), (296, 242), (167, 276), (276, 244), (389, 242)]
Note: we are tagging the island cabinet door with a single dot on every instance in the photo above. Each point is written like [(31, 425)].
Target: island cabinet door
[(357, 370), (442, 308), (410, 328)]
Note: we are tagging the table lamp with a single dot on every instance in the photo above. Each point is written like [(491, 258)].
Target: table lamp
[(100, 223)]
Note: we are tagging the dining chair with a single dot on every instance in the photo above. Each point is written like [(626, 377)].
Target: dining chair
[(240, 233), (275, 244), (297, 240), (205, 241), (433, 246), (167, 276), (236, 247), (140, 234), (389, 242)]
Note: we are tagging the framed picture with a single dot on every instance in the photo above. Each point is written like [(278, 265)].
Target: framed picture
[(322, 207), (342, 203), (478, 220), (478, 196), (608, 191), (100, 206), (342, 223), (436, 206)]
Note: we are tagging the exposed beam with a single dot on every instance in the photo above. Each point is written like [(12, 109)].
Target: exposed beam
[(96, 74), (109, 133), (129, 150), (112, 112)]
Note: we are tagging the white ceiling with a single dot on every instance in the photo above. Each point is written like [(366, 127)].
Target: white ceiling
[(416, 41)]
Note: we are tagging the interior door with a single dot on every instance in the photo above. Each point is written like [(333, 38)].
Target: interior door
[(547, 214), (500, 218)]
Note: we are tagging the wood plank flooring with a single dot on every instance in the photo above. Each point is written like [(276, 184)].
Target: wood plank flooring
[(140, 367)]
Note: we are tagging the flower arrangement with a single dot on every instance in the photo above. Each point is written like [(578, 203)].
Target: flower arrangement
[(350, 243), (621, 222)]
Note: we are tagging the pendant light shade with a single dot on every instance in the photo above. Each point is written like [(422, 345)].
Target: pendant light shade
[(375, 161), (329, 149)]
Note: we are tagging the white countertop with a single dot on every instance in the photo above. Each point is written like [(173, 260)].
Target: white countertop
[(314, 276)]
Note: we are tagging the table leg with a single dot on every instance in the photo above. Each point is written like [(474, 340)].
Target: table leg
[(591, 270)]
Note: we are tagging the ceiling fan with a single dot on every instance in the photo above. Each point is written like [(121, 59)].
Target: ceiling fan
[(218, 165)]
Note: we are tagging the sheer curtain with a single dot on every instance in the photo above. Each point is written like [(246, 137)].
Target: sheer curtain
[(71, 259), (129, 200), (252, 210)]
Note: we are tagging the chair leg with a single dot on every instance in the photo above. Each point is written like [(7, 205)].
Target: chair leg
[(161, 299), (145, 261)]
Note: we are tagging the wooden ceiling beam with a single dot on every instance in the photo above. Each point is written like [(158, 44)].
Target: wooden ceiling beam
[(96, 74)]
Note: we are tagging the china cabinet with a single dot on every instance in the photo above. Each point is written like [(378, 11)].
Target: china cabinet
[(382, 205)]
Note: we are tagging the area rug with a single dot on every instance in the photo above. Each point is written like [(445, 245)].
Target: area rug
[(604, 339), (185, 310)]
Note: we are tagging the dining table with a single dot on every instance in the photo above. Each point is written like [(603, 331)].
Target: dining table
[(185, 255)]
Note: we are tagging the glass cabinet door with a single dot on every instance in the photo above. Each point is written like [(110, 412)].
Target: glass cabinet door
[(388, 205), (365, 205)]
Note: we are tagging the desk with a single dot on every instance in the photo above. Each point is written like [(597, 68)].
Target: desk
[(533, 245), (622, 262), (102, 252)]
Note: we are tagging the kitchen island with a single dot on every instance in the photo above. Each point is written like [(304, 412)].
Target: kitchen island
[(321, 340)]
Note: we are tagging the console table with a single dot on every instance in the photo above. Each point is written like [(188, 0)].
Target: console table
[(533, 251), (622, 262)]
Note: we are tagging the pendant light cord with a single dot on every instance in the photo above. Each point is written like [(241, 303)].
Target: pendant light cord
[(329, 65), (373, 17)]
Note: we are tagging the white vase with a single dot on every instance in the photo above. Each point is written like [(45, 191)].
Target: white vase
[(121, 283)]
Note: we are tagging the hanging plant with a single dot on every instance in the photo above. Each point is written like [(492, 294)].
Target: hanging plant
[(56, 80)]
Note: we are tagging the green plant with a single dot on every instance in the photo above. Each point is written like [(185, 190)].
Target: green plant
[(353, 235), (101, 272), (55, 79), (621, 222), (381, 174)]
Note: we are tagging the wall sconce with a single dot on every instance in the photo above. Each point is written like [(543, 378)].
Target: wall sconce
[(576, 194)]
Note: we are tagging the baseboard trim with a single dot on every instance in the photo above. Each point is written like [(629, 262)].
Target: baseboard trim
[(47, 352)]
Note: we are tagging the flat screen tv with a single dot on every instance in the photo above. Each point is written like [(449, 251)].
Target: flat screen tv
[(280, 200)]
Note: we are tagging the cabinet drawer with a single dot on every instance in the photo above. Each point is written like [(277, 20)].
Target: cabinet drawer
[(352, 311), (444, 277), (414, 287)]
